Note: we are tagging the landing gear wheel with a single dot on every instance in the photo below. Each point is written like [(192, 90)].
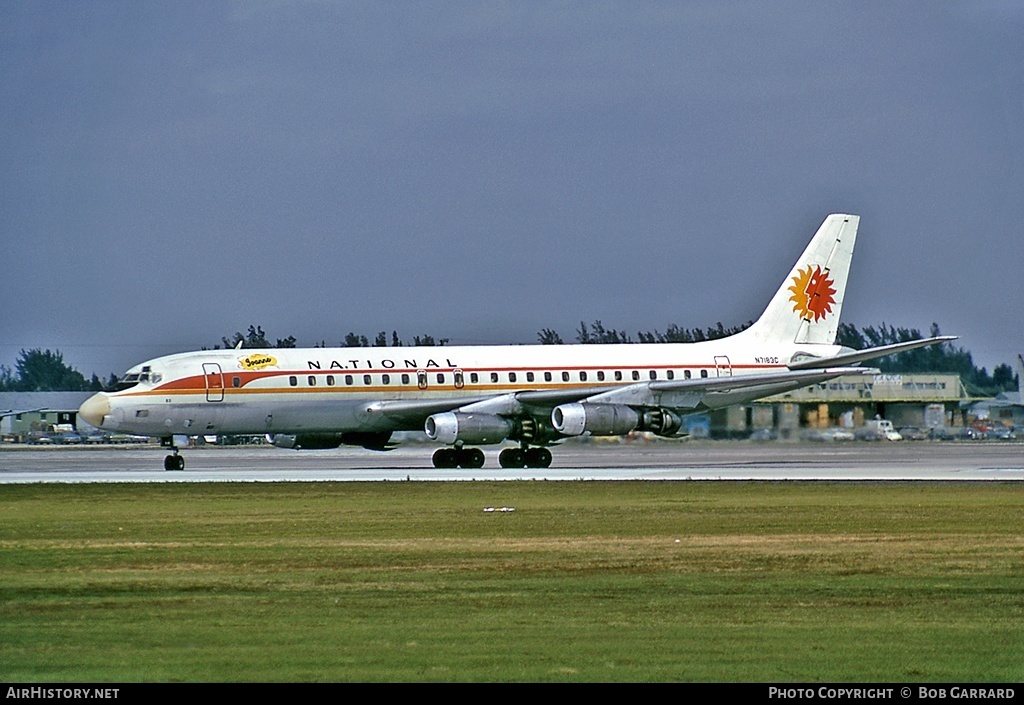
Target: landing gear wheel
[(512, 458), (538, 458), (446, 458), (174, 462), (470, 458)]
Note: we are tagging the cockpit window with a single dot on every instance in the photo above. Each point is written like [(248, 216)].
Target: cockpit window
[(127, 382), (131, 379)]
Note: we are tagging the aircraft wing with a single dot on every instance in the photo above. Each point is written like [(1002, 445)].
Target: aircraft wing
[(857, 356), (698, 393), (715, 392), (15, 412), (418, 409), (689, 393)]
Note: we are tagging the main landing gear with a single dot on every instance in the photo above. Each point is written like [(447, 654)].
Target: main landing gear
[(472, 458), (458, 458), (525, 458)]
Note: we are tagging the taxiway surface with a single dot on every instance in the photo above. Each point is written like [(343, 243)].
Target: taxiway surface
[(695, 460)]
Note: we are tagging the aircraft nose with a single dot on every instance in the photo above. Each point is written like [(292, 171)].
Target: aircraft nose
[(94, 409)]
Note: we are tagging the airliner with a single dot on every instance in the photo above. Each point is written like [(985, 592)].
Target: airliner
[(533, 396)]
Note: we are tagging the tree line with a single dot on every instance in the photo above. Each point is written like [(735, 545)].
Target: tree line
[(257, 338), (39, 370)]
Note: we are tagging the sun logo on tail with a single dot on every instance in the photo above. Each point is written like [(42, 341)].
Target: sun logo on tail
[(812, 293)]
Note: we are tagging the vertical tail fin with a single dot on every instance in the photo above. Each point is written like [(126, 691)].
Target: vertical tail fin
[(806, 307)]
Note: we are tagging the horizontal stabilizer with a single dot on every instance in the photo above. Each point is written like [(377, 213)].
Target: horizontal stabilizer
[(858, 356)]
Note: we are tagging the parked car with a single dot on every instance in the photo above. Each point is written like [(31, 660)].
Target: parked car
[(912, 433), (1003, 433), (68, 438), (828, 435), (973, 434)]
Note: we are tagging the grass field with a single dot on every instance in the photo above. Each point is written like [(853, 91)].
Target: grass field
[(582, 582)]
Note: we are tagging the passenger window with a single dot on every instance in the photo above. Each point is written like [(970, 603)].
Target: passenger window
[(618, 375), (686, 374), (547, 376), (529, 376), (653, 374), (312, 381), (583, 376), (703, 373), (565, 376), (512, 377), (474, 377), (348, 379), (386, 379), (405, 379), (236, 382), (293, 380), (600, 375), (367, 380), (636, 375), (440, 379), (330, 380), (494, 377), (670, 374)]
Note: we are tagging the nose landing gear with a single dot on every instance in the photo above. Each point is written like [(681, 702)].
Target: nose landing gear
[(173, 461)]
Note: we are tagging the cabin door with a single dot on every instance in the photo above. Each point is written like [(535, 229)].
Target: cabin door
[(722, 366), (214, 381)]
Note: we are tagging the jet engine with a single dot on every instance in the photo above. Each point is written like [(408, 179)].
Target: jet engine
[(452, 426), (598, 419), (612, 420)]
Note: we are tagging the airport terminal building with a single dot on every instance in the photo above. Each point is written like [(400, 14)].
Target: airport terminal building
[(908, 400)]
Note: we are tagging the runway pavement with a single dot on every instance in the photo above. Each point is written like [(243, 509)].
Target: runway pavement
[(689, 460)]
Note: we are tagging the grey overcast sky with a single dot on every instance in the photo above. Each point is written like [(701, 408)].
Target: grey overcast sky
[(171, 172)]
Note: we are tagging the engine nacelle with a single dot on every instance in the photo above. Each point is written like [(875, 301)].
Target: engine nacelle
[(612, 420), (452, 427), (596, 419), (662, 422)]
